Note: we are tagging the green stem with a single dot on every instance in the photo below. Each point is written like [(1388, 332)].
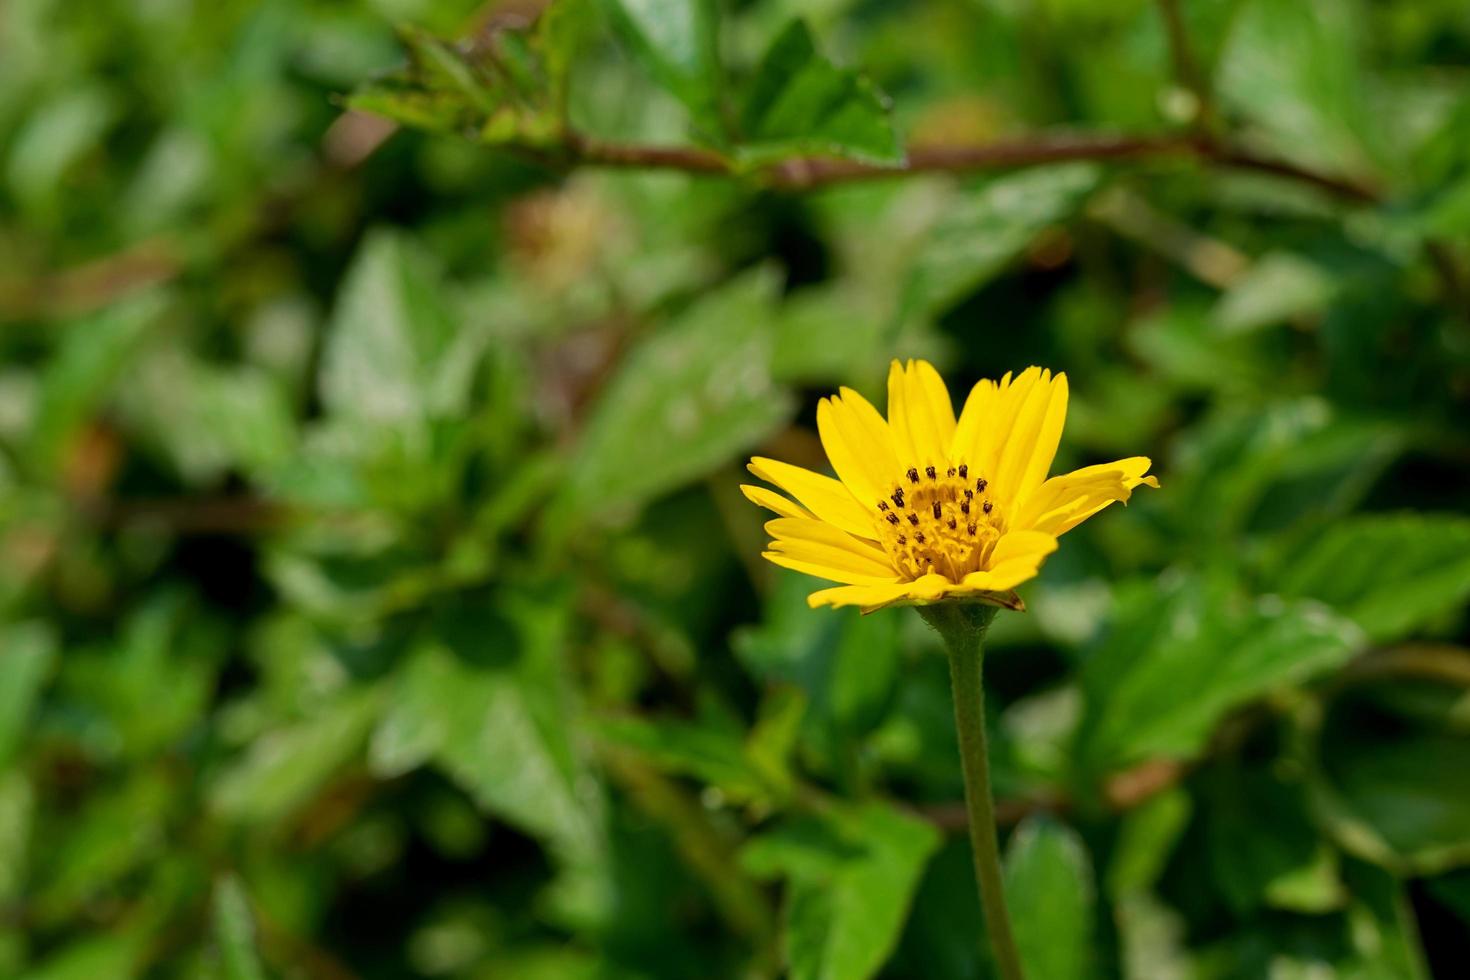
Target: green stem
[(963, 628)]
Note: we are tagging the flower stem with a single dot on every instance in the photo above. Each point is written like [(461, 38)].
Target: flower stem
[(963, 629)]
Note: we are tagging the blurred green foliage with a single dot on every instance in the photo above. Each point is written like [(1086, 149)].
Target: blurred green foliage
[(376, 596)]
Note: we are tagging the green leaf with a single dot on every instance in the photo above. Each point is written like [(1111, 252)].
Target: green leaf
[(677, 43), (1145, 839), (234, 931), (1452, 890), (1176, 659), (27, 654), (712, 755), (78, 379), (1289, 868), (17, 813), (1049, 890), (684, 402), (497, 721), (209, 420), (988, 227), (846, 665), (1293, 465), (1292, 67), (285, 768), (1384, 929), (801, 104), (58, 133), (507, 89), (144, 700), (116, 831), (117, 956), (1392, 786), (850, 879), (1277, 288), (1392, 575), (388, 359)]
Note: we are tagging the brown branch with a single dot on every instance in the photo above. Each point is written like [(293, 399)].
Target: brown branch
[(194, 515), (806, 173)]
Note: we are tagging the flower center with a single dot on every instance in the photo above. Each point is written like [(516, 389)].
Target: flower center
[(940, 520)]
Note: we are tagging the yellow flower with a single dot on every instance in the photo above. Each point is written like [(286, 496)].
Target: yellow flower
[(929, 508)]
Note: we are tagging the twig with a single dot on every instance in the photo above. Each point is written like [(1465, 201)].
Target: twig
[(812, 172)]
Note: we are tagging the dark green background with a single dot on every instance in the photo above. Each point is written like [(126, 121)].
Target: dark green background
[(376, 595)]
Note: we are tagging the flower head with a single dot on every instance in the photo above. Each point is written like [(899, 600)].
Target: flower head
[(927, 507)]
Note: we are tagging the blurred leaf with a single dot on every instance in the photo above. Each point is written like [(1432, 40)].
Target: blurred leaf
[(800, 104), (1292, 67), (117, 956), (846, 665), (1150, 933), (94, 352), (1296, 463), (234, 931), (1384, 932), (143, 698), (709, 754), (774, 737), (1392, 789), (1277, 288), (17, 812), (1049, 890), (1391, 574), (683, 402), (27, 654), (1448, 215), (391, 357), (1147, 836), (826, 336), (285, 768), (942, 939), (79, 860), (502, 90), (988, 227), (1189, 637), (677, 42), (503, 733), (210, 420), (1151, 939), (850, 879), (1453, 890), (1185, 347), (1290, 868), (58, 133)]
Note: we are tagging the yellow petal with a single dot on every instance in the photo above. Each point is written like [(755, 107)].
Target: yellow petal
[(1033, 545), (919, 414), (1048, 437), (825, 497), (773, 501), (1010, 396), (1002, 577), (818, 541), (977, 413), (859, 444), (930, 587), (1031, 435), (870, 597), (1065, 501), (820, 570)]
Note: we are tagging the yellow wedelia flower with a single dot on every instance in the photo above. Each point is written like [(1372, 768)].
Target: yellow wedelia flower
[(927, 508)]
